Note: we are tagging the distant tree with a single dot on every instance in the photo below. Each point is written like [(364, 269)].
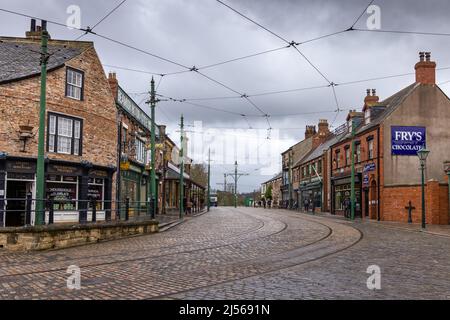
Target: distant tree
[(268, 194), (199, 173)]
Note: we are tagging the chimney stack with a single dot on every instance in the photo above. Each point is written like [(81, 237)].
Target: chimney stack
[(310, 131), (371, 99), (35, 32), (113, 84), (425, 69), (323, 127)]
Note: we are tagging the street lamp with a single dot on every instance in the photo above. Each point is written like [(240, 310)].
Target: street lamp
[(423, 154)]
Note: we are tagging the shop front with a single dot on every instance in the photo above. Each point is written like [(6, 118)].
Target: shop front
[(70, 188), (135, 186), (341, 191), (312, 192)]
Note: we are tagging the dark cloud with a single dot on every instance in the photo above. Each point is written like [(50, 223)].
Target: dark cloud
[(204, 32)]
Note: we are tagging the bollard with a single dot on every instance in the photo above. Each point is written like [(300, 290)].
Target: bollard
[(94, 210), (127, 209), (28, 209), (51, 212)]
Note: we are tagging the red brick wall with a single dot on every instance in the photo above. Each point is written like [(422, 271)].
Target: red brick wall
[(436, 203)]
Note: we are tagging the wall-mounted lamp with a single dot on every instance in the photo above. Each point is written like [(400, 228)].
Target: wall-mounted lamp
[(25, 133)]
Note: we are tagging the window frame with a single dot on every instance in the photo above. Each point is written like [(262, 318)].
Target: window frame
[(67, 83), (370, 151), (56, 135)]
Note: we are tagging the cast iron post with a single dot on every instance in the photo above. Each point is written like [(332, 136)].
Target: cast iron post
[(182, 169), (353, 195), (40, 172)]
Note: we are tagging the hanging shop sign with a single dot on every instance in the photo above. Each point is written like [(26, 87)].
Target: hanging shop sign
[(125, 166), (407, 141)]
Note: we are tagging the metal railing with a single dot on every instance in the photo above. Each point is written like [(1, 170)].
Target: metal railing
[(18, 212)]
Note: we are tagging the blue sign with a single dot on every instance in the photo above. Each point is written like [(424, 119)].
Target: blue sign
[(366, 179), (406, 141), (369, 167)]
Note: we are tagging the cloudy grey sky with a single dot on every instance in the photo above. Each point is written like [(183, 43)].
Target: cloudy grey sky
[(203, 32)]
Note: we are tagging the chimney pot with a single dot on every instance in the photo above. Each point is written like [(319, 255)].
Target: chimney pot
[(428, 56), (421, 55), (374, 92), (368, 92), (44, 25), (33, 25)]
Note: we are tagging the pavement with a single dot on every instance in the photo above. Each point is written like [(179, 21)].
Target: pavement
[(244, 253)]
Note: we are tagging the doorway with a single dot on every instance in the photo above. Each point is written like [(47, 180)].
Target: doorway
[(16, 196)]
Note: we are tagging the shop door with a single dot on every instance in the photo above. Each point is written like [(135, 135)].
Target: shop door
[(15, 210)]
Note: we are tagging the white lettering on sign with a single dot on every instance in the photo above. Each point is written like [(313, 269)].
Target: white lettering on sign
[(408, 136)]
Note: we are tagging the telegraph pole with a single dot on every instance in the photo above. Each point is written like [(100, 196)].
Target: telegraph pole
[(352, 195), (153, 147), (209, 179), (40, 172), (182, 169)]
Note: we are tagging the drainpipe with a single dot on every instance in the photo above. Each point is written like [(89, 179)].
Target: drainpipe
[(378, 174), (447, 169)]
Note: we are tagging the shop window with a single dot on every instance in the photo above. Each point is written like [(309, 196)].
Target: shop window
[(64, 134), (63, 190), (74, 84), (96, 191)]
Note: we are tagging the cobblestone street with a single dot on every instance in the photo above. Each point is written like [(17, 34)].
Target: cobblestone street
[(241, 254)]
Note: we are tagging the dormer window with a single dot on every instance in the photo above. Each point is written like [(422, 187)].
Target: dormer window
[(350, 125), (367, 116)]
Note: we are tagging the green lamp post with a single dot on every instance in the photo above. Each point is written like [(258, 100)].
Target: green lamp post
[(423, 154)]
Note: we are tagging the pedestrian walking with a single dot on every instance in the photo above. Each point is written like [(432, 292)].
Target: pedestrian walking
[(305, 205)]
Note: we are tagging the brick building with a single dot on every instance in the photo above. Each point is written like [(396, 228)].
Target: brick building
[(81, 135), (313, 172), (134, 155), (388, 135), (274, 183)]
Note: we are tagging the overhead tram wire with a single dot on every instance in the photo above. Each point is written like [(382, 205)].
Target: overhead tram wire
[(405, 32), (103, 19), (88, 30)]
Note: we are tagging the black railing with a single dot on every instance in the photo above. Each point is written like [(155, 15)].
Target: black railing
[(18, 212)]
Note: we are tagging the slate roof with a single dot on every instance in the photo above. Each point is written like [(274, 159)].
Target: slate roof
[(20, 59), (383, 110), (318, 152), (278, 176)]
